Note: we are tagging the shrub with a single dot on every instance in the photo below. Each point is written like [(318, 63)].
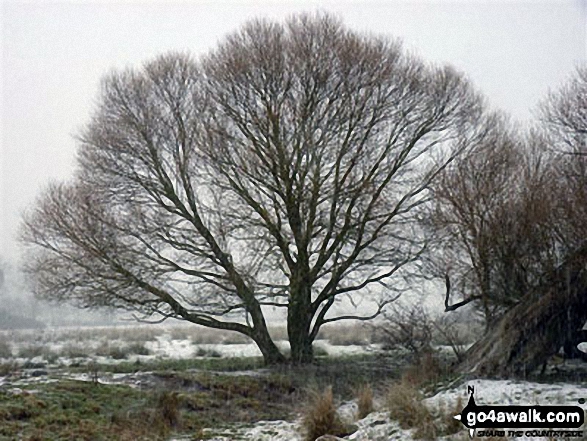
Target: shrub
[(117, 353), (407, 328), (8, 368), (454, 334), (31, 351), (75, 351), (121, 351), (319, 351)]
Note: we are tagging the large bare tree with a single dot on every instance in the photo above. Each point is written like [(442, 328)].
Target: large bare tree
[(285, 169)]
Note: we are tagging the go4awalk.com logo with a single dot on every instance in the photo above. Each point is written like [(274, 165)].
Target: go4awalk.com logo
[(518, 421)]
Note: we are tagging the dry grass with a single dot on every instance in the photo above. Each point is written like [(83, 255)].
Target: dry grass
[(201, 335), (446, 423), (168, 408), (8, 368), (426, 369), (278, 333), (320, 417), (405, 405), (364, 400)]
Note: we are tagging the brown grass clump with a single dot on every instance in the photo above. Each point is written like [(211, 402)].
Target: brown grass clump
[(8, 368), (364, 401), (446, 424), (320, 417), (405, 405), (168, 408)]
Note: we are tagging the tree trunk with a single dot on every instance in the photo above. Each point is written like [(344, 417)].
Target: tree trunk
[(298, 331), (271, 353), (299, 319), (537, 327), (570, 347), (302, 351)]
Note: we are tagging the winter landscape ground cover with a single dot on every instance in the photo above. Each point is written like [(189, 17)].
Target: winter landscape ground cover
[(187, 383)]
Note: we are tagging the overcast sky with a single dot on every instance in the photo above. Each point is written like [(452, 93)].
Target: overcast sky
[(54, 54)]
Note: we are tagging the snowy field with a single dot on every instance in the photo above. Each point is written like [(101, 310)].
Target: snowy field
[(28, 358), (379, 427)]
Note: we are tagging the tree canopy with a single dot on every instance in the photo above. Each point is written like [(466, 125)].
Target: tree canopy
[(287, 168)]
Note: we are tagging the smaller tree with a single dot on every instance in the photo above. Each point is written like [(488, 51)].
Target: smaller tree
[(493, 222), (553, 312), (563, 115)]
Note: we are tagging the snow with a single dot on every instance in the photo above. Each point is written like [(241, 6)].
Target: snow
[(512, 392), (375, 427), (378, 426)]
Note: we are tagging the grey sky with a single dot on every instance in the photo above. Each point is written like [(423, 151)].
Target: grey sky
[(54, 54)]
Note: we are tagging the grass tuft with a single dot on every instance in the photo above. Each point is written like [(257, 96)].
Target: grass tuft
[(405, 405), (168, 408), (320, 417), (364, 400), (404, 401)]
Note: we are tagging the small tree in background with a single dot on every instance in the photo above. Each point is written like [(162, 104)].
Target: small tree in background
[(493, 220), (563, 115), (553, 311)]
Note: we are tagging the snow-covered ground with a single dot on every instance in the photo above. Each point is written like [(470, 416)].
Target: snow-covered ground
[(166, 346), (379, 427), (66, 347)]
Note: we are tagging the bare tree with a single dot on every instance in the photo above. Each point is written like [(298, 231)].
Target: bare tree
[(493, 214), (285, 169), (564, 120), (553, 310)]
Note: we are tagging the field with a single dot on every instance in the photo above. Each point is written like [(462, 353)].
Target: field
[(187, 383)]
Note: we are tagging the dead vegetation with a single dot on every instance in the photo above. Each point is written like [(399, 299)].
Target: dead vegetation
[(320, 416), (406, 405), (364, 400)]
